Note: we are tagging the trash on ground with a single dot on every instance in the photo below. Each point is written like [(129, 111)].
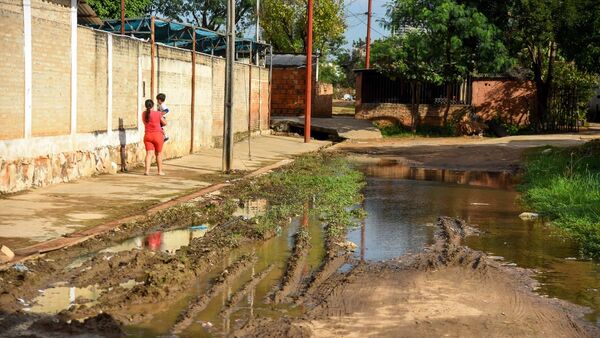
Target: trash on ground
[(529, 215)]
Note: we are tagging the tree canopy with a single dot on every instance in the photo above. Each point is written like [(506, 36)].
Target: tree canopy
[(454, 39), (209, 14), (112, 9), (410, 57), (284, 25)]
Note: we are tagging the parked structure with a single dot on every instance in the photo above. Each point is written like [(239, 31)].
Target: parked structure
[(289, 78), (381, 98), (74, 96)]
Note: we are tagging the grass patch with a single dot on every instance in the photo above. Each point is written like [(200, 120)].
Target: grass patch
[(564, 184), (325, 181)]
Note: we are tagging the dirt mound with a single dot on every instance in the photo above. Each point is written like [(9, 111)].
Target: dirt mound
[(448, 290), (19, 324)]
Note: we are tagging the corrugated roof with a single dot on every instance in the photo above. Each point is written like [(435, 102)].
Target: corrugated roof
[(290, 60), (86, 15)]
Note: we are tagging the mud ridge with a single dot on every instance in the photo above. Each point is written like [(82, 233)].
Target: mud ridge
[(186, 318), (243, 291), (447, 290), (292, 278)]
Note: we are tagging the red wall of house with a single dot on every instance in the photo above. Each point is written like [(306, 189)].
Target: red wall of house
[(510, 99), (289, 94)]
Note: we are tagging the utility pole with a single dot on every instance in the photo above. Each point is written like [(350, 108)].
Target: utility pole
[(122, 17), (369, 15), (257, 28), (227, 121), (308, 108)]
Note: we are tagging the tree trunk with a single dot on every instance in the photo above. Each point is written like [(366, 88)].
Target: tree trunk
[(543, 87), (448, 97), (415, 88), (449, 71)]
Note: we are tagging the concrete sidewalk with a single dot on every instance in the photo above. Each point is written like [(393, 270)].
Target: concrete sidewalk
[(50, 212)]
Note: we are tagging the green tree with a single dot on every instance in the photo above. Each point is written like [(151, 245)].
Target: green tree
[(579, 34), (284, 25), (461, 38), (112, 9), (409, 57), (539, 32), (209, 14)]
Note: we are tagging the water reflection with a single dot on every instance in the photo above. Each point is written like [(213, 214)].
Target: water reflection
[(402, 203), (60, 297), (166, 241), (392, 170)]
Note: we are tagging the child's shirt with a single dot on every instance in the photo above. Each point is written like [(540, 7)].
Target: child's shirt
[(163, 109)]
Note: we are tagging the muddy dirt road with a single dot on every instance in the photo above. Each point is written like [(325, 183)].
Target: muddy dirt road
[(459, 153), (447, 291), (269, 258)]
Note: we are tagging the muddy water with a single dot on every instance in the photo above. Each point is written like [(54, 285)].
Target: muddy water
[(402, 203), (211, 321)]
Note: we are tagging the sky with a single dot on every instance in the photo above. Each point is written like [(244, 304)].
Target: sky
[(356, 19)]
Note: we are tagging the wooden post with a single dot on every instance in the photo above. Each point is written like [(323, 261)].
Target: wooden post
[(152, 58), (193, 109)]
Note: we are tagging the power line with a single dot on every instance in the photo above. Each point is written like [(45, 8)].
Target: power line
[(363, 22)]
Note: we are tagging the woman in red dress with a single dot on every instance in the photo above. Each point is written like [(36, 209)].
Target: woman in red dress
[(154, 136)]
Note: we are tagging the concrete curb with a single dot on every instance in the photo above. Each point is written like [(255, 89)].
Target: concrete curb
[(77, 237)]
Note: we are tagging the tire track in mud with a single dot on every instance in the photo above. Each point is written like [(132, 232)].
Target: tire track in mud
[(186, 318), (243, 291), (448, 289), (292, 278)]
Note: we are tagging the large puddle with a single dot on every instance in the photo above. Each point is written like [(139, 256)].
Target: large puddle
[(403, 202), (212, 321)]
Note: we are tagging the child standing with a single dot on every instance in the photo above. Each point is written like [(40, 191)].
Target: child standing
[(163, 109)]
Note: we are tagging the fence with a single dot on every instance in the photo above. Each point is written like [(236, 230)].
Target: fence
[(563, 113)]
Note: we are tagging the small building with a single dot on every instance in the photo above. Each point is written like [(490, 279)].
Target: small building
[(381, 98), (289, 87)]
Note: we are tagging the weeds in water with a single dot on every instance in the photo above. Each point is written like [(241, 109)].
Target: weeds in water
[(325, 181), (564, 184)]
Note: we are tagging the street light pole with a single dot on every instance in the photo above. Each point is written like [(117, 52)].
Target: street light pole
[(309, 47), (368, 51), (227, 120)]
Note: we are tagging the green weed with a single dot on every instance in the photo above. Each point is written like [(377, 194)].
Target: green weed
[(564, 184), (326, 182)]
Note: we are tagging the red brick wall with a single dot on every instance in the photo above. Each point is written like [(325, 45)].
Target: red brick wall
[(289, 94), (512, 100), (431, 115), (289, 91), (323, 100)]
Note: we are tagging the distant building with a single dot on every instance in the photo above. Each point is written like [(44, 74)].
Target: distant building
[(289, 87)]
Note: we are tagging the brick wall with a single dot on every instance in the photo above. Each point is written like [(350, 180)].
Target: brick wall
[(12, 111), (512, 100), (125, 82), (289, 98), (290, 91), (323, 100), (53, 154), (92, 81), (431, 115), (51, 87)]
